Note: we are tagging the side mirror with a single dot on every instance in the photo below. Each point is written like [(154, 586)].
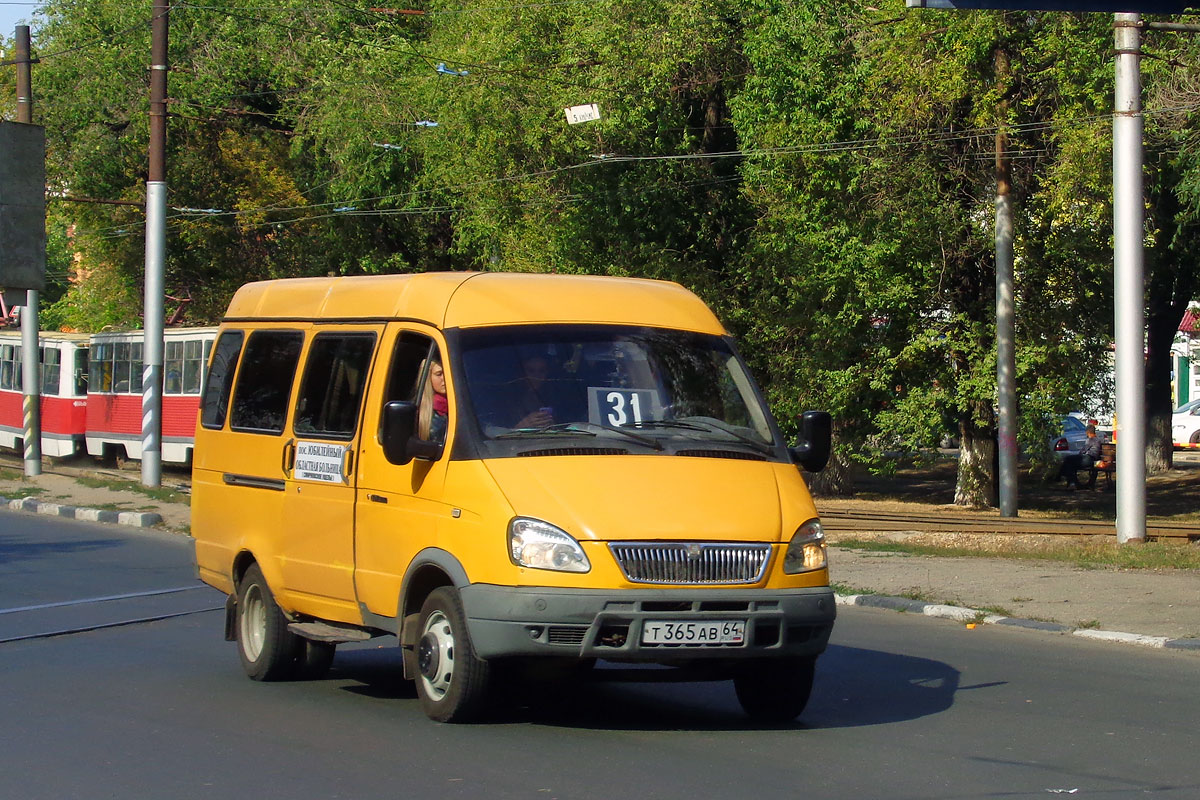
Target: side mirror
[(400, 445), (816, 441)]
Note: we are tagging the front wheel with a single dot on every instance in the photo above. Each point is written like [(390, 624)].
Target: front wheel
[(775, 691), (268, 650), (453, 681)]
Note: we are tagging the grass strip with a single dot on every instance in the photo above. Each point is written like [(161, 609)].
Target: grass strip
[(1091, 554)]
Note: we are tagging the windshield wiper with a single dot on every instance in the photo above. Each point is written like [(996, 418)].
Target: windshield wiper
[(549, 430), (643, 440), (708, 426), (580, 429)]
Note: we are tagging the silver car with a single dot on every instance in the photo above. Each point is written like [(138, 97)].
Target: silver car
[(1072, 435)]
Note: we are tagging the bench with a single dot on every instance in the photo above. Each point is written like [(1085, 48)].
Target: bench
[(1107, 464)]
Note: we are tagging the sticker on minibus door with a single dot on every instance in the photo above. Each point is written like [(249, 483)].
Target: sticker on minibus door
[(320, 461)]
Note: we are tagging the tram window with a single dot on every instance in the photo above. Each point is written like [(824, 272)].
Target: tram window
[(8, 366), (264, 384), (99, 369), (173, 381), (135, 367), (51, 367), (121, 368), (192, 365), (81, 371)]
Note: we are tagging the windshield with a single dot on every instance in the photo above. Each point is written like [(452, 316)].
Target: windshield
[(639, 389)]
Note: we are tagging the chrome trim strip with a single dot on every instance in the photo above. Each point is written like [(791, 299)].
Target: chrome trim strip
[(274, 484)]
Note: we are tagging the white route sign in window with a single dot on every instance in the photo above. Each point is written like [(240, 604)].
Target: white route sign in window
[(320, 461)]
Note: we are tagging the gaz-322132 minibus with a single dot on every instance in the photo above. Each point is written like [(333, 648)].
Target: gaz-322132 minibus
[(505, 471)]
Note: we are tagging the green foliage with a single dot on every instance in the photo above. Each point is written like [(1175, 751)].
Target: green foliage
[(821, 173)]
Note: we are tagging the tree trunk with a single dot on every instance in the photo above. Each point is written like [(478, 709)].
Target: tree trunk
[(836, 480), (1162, 320), (976, 486)]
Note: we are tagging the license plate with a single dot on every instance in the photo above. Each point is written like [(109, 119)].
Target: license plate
[(694, 634)]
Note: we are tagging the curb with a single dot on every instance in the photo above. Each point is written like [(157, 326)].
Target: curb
[(138, 519), (963, 614)]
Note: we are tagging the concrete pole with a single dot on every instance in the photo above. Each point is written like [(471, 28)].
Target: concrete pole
[(1006, 362), (156, 252), (30, 363), (1129, 280)]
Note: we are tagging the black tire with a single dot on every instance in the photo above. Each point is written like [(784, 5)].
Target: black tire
[(452, 682), (314, 659), (268, 650), (775, 691)]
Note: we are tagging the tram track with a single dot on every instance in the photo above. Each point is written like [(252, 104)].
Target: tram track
[(67, 617)]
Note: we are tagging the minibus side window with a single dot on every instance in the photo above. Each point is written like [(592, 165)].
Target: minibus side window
[(264, 383), (334, 381), (410, 380), (215, 402)]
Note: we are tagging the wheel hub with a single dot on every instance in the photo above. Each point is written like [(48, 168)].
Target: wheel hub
[(435, 655), (428, 656)]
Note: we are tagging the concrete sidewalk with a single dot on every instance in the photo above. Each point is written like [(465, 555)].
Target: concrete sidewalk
[(1153, 608)]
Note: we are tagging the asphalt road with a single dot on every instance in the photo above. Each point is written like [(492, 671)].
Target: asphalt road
[(904, 707)]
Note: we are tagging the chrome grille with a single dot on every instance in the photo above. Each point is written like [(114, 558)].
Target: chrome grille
[(691, 563)]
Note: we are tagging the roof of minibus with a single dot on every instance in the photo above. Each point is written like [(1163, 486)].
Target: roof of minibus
[(476, 299)]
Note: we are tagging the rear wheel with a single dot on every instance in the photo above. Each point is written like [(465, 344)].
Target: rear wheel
[(775, 691), (453, 681), (314, 659), (268, 650)]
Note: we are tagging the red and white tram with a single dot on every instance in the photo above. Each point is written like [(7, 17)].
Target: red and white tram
[(114, 393), (63, 359)]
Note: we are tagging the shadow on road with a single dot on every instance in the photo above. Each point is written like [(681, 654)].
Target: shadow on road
[(854, 687)]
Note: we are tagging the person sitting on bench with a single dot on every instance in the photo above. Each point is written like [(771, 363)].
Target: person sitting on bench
[(1087, 456)]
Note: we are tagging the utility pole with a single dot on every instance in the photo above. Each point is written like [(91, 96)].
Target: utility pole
[(1129, 280), (1006, 362), (156, 250), (30, 363)]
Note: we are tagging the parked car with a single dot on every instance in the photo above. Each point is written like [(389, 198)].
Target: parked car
[(1185, 425), (1071, 436)]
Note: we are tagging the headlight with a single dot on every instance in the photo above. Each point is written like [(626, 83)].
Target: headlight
[(806, 550), (540, 545)]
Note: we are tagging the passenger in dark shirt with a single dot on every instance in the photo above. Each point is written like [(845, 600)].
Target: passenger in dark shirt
[(1087, 456)]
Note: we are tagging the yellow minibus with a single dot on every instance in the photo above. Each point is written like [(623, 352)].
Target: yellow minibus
[(503, 470)]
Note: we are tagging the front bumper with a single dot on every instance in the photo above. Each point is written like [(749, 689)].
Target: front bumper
[(508, 621)]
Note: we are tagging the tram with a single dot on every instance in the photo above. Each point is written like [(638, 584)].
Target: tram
[(63, 363), (114, 393)]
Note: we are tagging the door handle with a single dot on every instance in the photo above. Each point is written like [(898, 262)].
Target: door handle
[(289, 456)]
